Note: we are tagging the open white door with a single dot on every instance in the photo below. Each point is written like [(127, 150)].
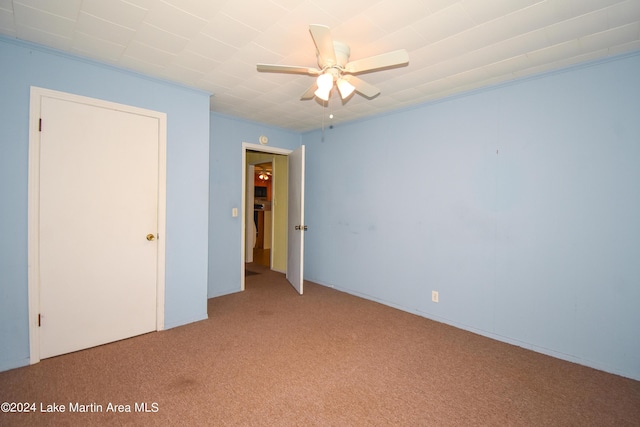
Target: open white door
[(296, 227)]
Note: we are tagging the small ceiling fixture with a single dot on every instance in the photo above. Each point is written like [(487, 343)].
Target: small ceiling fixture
[(264, 174), (335, 68)]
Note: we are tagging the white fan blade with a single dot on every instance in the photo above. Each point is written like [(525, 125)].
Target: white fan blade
[(310, 93), (324, 43), (272, 68), (363, 87), (385, 60)]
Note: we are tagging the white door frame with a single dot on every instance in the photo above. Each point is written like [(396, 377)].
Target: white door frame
[(34, 204), (249, 200), (246, 146)]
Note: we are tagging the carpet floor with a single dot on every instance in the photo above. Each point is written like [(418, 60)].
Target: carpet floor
[(269, 357)]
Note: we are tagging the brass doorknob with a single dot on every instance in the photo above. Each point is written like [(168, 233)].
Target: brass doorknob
[(150, 237)]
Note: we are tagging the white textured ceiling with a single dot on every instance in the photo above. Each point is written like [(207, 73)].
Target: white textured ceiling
[(214, 45)]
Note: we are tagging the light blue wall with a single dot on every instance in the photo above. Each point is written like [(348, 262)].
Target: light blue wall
[(225, 232), (25, 65), (519, 204)]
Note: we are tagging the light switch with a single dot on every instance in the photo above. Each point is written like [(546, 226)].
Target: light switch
[(234, 212)]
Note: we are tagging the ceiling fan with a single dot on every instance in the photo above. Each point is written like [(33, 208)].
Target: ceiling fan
[(335, 68), (264, 174)]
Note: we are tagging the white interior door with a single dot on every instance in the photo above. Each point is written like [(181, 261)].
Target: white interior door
[(296, 227), (98, 225)]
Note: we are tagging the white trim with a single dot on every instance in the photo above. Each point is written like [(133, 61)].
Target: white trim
[(271, 150), (253, 147), (33, 242), (34, 204), (162, 217), (249, 199)]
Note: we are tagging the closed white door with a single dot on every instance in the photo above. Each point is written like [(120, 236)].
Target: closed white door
[(98, 225), (296, 227)]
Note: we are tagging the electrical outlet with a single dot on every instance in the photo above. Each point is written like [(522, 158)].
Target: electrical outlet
[(434, 296)]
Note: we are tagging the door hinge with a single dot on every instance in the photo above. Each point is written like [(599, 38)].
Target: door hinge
[(301, 227), (39, 319), (40, 125)]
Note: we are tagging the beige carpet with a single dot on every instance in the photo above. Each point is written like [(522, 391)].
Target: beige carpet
[(269, 357)]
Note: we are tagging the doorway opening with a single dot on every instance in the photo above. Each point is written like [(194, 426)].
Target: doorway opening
[(264, 206), (264, 212), (287, 210)]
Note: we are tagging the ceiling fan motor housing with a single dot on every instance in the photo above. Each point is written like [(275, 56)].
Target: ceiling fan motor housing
[(342, 52)]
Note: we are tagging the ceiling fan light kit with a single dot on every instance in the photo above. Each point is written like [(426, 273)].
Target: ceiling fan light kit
[(335, 68), (325, 84), (345, 88)]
